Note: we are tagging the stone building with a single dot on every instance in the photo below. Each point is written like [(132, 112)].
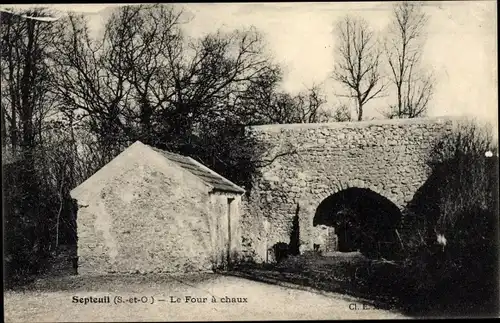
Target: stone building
[(153, 211), (325, 172)]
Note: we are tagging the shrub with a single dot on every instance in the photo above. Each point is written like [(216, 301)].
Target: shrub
[(459, 202), (281, 251)]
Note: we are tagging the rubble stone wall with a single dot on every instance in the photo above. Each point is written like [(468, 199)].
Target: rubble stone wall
[(150, 217), (309, 162)]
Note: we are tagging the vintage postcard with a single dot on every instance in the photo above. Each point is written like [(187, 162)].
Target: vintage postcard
[(249, 161)]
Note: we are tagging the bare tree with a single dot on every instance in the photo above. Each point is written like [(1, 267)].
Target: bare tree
[(25, 36), (265, 104), (358, 61), (38, 178), (309, 105), (144, 79), (403, 47)]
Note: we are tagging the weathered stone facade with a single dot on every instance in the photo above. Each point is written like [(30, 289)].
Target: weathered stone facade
[(143, 213), (317, 160)]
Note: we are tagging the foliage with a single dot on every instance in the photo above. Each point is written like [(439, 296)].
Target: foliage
[(342, 113), (281, 251), (459, 203)]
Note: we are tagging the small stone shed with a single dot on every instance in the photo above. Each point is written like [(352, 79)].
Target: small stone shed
[(150, 210)]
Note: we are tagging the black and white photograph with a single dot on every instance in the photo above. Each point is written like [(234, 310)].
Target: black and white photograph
[(249, 161)]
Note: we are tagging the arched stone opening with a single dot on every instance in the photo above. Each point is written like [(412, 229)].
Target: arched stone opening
[(363, 220)]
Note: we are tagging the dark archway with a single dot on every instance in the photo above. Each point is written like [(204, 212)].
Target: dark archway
[(364, 220)]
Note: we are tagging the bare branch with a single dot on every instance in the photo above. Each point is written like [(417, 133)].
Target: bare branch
[(403, 49), (357, 68)]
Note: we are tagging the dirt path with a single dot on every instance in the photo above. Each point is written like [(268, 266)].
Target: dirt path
[(250, 300)]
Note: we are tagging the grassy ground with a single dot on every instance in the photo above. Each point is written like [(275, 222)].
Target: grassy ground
[(385, 283), (343, 273)]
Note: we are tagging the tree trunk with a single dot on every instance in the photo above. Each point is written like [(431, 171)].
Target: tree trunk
[(360, 110), (400, 103), (27, 87), (4, 129)]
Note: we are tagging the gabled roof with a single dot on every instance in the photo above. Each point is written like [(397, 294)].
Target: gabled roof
[(207, 175)]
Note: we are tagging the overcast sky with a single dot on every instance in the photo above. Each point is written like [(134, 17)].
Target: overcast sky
[(460, 49)]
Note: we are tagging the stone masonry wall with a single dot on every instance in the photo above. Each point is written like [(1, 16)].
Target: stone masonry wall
[(318, 160), (147, 198)]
